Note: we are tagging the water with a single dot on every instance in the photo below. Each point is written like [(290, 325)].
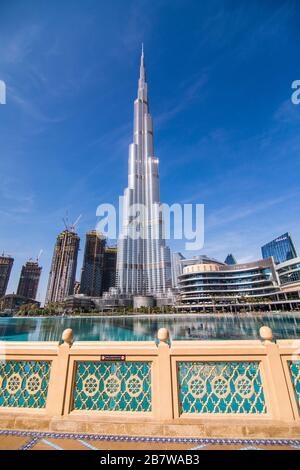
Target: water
[(141, 328)]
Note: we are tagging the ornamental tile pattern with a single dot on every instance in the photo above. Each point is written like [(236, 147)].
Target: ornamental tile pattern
[(220, 387), (113, 386), (24, 384), (294, 367)]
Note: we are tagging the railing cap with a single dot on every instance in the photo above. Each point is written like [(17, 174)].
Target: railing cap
[(266, 333), (67, 336), (163, 334)]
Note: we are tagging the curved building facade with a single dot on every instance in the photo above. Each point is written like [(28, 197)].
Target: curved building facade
[(217, 283), (289, 274)]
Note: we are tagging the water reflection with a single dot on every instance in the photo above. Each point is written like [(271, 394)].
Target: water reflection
[(145, 327)]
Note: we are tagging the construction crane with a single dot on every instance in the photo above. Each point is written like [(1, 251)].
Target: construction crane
[(71, 227), (39, 255), (74, 225)]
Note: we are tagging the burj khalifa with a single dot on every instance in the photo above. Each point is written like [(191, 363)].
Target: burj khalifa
[(143, 261)]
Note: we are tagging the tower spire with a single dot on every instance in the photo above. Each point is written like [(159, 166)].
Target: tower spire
[(142, 68)]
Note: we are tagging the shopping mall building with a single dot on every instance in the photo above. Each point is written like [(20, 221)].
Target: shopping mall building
[(260, 285)]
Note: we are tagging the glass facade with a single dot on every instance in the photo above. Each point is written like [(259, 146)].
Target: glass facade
[(230, 259), (289, 273), (282, 249), (256, 280)]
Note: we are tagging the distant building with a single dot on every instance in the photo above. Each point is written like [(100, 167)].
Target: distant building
[(179, 262), (12, 302), (230, 259), (29, 280), (63, 267), (93, 264), (212, 281), (78, 302), (282, 249), (76, 289), (176, 265), (6, 263), (289, 274), (259, 285), (109, 268)]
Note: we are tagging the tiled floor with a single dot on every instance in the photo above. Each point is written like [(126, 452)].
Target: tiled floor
[(26, 440)]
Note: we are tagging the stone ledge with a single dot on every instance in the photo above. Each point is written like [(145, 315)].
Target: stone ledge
[(215, 428)]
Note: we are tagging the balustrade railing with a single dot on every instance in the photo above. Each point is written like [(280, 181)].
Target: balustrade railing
[(162, 381)]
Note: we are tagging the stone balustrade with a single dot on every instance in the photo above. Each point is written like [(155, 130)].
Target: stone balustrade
[(180, 382)]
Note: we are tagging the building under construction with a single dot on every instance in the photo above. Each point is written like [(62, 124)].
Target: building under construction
[(109, 268), (63, 267), (6, 263), (91, 283), (29, 280)]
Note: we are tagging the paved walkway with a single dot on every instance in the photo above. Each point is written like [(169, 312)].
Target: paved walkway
[(27, 440)]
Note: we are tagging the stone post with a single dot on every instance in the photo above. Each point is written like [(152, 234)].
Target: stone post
[(281, 405), (165, 404), (59, 376)]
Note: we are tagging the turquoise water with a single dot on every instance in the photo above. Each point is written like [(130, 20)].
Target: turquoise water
[(141, 328)]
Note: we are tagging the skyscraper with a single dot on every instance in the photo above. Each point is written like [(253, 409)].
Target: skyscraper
[(6, 263), (143, 261), (63, 267), (177, 267), (282, 249), (29, 280), (109, 268), (93, 262), (230, 259)]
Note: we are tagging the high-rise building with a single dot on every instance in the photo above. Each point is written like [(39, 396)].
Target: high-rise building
[(6, 263), (29, 280), (76, 289), (109, 268), (63, 267), (93, 263), (230, 260), (143, 261), (177, 267), (282, 249)]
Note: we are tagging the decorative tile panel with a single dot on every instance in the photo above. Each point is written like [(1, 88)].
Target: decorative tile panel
[(113, 386), (24, 384), (220, 387), (294, 367)]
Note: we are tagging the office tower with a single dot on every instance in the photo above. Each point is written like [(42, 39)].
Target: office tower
[(282, 249), (63, 267), (177, 267), (93, 261), (29, 280), (230, 259), (143, 261), (109, 268), (6, 263), (76, 289)]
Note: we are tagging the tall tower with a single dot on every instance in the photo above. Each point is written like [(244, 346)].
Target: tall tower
[(93, 264), (143, 262), (29, 280), (109, 268), (6, 263), (282, 249), (63, 267)]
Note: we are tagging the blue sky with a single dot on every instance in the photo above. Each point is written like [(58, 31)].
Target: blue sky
[(226, 132)]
